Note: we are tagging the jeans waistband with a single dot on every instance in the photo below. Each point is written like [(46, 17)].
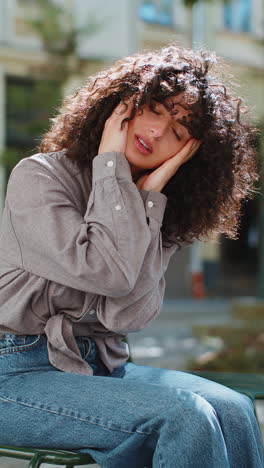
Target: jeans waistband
[(21, 353), (86, 345)]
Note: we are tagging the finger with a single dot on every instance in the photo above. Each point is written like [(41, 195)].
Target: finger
[(182, 156), (183, 153), (195, 144), (117, 116), (194, 148), (119, 109), (124, 108), (188, 150)]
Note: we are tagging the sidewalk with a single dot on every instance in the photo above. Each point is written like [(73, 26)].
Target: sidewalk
[(168, 342)]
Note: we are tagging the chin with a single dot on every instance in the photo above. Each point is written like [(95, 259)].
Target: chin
[(138, 161)]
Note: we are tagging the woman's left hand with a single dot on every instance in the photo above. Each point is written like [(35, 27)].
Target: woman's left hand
[(158, 178)]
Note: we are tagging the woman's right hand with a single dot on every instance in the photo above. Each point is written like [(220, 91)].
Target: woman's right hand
[(113, 137)]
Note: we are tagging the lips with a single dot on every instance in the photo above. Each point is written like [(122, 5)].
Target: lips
[(143, 144)]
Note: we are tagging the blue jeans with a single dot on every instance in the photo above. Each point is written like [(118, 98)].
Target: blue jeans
[(136, 417)]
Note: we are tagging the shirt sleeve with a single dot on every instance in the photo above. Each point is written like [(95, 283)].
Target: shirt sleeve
[(134, 311), (101, 252)]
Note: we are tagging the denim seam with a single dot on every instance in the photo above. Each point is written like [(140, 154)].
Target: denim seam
[(75, 417), (24, 347)]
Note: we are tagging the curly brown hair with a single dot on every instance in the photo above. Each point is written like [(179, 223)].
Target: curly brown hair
[(205, 194)]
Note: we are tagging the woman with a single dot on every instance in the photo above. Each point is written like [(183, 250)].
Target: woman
[(148, 155)]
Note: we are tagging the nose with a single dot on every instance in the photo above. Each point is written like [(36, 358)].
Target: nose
[(158, 127)]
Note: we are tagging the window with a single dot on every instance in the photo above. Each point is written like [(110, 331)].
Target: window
[(157, 11), (237, 15)]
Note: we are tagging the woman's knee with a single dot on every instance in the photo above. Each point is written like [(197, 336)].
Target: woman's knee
[(231, 401), (187, 409), (233, 408)]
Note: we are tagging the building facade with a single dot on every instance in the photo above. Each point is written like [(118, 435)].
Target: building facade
[(120, 27)]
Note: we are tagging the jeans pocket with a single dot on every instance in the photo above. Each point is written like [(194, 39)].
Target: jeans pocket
[(10, 343)]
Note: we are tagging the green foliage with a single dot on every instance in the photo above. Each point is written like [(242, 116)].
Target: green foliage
[(31, 104), (243, 349), (9, 158), (29, 107), (55, 27), (190, 3)]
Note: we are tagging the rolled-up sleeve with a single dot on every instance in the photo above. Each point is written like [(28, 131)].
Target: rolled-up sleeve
[(101, 251)]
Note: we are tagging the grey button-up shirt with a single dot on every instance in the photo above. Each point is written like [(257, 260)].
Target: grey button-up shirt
[(80, 255)]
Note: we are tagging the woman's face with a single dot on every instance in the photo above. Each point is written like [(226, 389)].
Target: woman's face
[(154, 137)]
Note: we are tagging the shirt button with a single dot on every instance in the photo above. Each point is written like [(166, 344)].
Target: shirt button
[(150, 204), (109, 163), (118, 207), (92, 312)]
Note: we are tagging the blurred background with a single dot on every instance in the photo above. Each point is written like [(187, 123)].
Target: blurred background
[(213, 312)]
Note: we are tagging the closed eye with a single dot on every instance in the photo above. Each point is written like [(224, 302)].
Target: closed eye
[(176, 134)]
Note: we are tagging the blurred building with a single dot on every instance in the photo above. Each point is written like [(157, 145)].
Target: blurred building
[(233, 29)]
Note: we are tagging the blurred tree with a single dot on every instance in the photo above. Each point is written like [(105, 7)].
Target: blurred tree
[(59, 36), (31, 102), (242, 351)]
